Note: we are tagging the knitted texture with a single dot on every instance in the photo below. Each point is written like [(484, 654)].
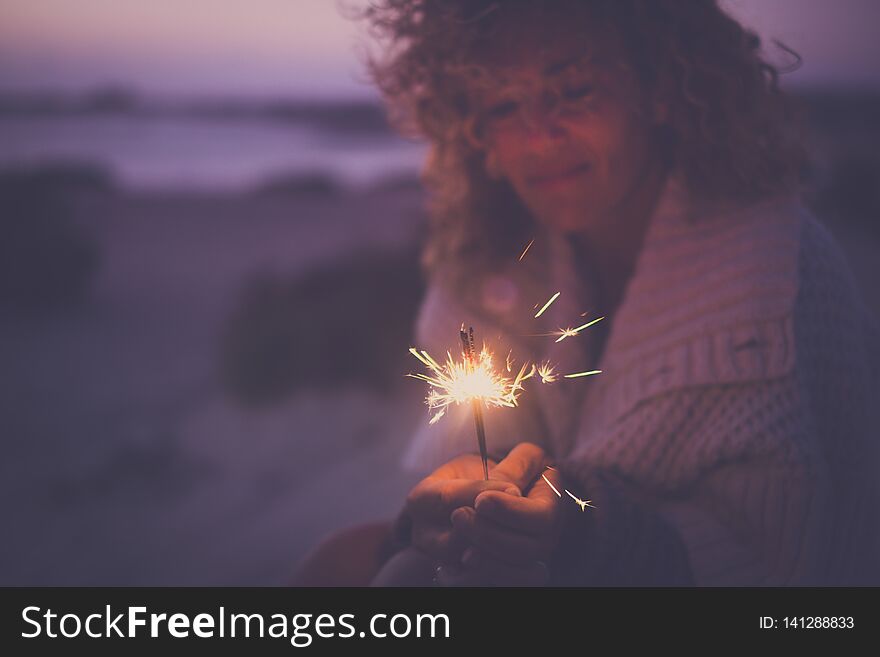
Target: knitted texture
[(730, 439)]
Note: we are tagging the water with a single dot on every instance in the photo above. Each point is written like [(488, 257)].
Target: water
[(174, 152)]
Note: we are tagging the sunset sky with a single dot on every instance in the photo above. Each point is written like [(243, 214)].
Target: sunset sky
[(307, 48)]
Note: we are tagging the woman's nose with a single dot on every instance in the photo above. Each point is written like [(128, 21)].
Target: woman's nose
[(541, 119)]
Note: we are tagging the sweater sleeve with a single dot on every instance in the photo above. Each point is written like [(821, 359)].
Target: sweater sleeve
[(718, 485)]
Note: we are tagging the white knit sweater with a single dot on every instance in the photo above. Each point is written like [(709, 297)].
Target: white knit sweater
[(732, 436)]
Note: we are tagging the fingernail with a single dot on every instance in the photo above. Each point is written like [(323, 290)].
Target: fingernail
[(459, 516), (483, 504), (444, 572), (513, 490), (468, 556)]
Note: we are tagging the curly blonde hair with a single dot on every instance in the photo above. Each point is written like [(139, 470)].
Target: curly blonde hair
[(731, 130)]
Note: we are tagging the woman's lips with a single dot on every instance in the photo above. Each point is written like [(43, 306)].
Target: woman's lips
[(562, 178)]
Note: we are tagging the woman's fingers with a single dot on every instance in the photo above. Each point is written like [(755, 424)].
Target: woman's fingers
[(430, 504), (533, 516), (520, 466), (436, 498), (465, 466), (480, 570), (441, 544), (500, 542)]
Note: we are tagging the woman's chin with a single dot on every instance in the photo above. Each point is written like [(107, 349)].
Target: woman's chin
[(568, 222)]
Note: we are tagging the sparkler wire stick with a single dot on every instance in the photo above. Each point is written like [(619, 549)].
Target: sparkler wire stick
[(469, 353)]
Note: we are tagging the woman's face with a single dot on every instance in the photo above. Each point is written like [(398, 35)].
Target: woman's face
[(569, 130)]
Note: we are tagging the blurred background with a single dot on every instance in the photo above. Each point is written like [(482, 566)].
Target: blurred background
[(209, 272)]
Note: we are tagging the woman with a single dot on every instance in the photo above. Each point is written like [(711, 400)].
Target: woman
[(645, 151)]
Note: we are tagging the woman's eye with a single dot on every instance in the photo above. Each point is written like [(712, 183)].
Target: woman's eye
[(578, 92), (503, 109)]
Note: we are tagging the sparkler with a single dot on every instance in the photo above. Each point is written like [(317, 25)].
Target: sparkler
[(467, 344), (474, 380)]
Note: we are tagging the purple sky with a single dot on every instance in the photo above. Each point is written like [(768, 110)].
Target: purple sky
[(306, 47)]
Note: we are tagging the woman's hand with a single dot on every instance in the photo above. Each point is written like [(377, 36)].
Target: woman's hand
[(510, 538), (430, 504)]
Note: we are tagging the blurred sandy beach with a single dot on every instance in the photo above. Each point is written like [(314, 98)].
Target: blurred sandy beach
[(142, 446)]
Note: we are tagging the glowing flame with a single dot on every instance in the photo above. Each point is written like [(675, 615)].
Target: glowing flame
[(459, 382)]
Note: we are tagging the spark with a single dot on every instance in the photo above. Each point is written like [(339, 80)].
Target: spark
[(589, 324), (565, 333), (547, 305), (581, 503), (526, 250), (578, 374), (544, 477), (545, 371), (572, 332)]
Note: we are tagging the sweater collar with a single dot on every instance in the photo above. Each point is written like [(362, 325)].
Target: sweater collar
[(710, 301), (706, 268)]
